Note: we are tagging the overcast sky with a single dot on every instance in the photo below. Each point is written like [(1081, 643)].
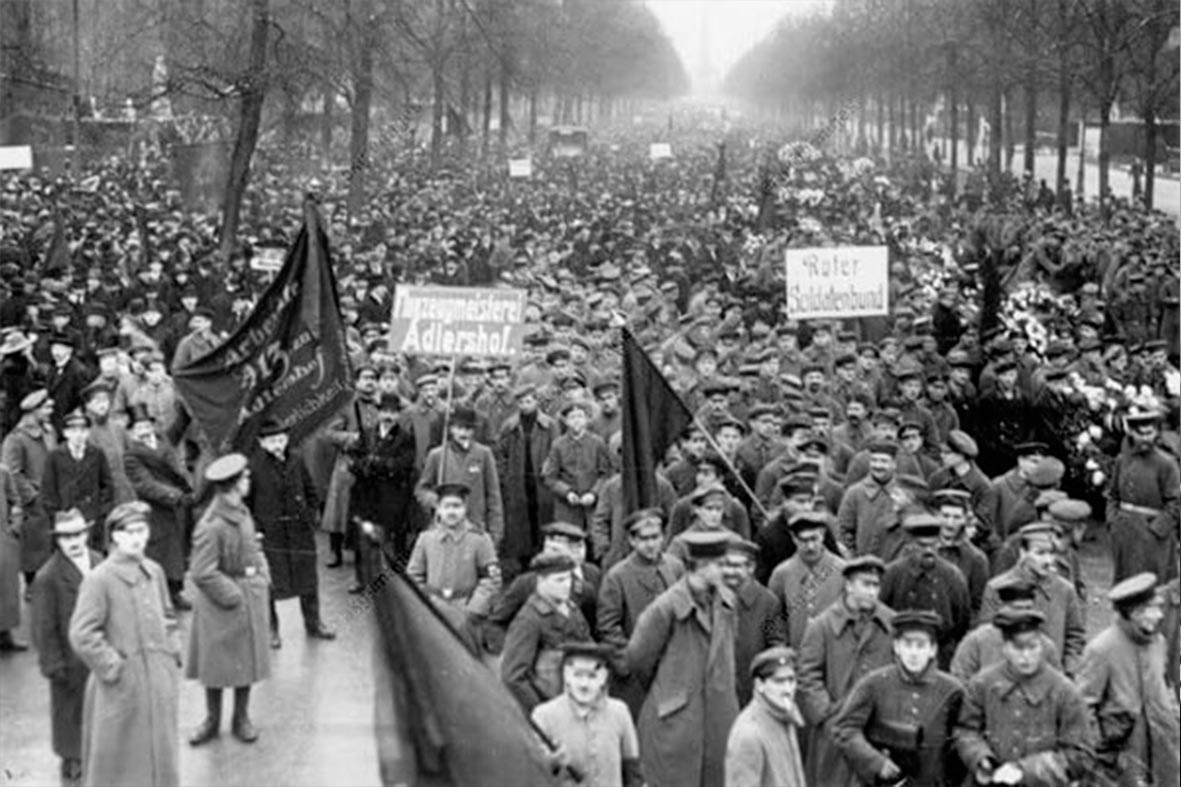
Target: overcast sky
[(730, 28)]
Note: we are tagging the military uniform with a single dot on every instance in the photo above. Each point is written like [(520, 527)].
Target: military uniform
[(1143, 506)]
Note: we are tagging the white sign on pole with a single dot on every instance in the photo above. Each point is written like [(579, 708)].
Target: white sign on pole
[(16, 157), (659, 150), (438, 320), (838, 282), (520, 168), (268, 258)]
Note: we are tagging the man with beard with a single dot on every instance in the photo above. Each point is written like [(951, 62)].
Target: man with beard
[(385, 479), (760, 615), (594, 733), (763, 747), (77, 476), (898, 722), (55, 594), (843, 643), (1056, 598), (1144, 502), (1022, 721), (283, 501), (922, 580), (461, 460), (157, 479), (682, 652), (1122, 679), (867, 522)]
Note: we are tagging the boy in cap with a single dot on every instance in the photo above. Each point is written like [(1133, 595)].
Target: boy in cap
[(461, 460), (530, 665), (55, 595), (842, 643), (898, 721), (763, 747), (577, 465), (682, 652), (760, 615), (455, 560), (125, 630), (982, 647), (1144, 502), (1122, 680), (595, 734), (1022, 721)]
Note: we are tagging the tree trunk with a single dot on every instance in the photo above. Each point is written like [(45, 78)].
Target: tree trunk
[(893, 121), (486, 121), (465, 86), (953, 111), (997, 123), (326, 120), (1010, 138), (970, 134), (254, 92), (881, 106), (438, 91), (1030, 121), (532, 115), (1150, 129), (359, 134), (1063, 119), (1104, 158)]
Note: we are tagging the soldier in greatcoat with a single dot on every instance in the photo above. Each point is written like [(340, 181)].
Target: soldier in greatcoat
[(682, 650), (55, 594), (228, 641), (763, 748), (125, 630), (809, 581), (844, 643), (1022, 721), (12, 517), (285, 508), (1122, 679)]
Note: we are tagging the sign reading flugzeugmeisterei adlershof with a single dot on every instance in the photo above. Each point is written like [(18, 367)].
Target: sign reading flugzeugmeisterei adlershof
[(457, 321), (837, 282)]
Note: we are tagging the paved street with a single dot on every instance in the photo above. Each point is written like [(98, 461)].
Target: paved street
[(314, 715)]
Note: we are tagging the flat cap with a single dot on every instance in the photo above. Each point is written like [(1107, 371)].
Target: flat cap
[(225, 468), (587, 650), (762, 410), (917, 620), (1036, 529), (1133, 419), (962, 443), (126, 514), (1133, 591), (952, 497), (1015, 620), (564, 529), (452, 490), (922, 525), (34, 400), (702, 494), (1070, 510), (551, 563), (882, 447), (637, 518), (798, 484), (741, 545), (770, 660), (864, 564), (1047, 472), (808, 520), (1012, 587), (704, 544)]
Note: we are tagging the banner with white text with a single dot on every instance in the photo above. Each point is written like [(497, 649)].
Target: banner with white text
[(837, 282), (457, 321)]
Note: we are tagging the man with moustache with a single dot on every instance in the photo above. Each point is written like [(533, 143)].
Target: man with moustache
[(868, 517), (347, 434), (461, 460)]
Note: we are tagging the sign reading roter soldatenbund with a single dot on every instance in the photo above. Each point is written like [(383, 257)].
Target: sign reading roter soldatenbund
[(457, 321), (842, 281)]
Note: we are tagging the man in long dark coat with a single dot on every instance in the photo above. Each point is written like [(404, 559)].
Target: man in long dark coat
[(55, 594), (284, 504), (521, 449), (384, 491), (156, 476), (77, 476)]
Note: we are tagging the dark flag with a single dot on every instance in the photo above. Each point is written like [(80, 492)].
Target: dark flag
[(654, 417), (442, 717), (288, 361), (145, 246)]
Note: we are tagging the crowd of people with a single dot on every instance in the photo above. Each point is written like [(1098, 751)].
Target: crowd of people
[(864, 564)]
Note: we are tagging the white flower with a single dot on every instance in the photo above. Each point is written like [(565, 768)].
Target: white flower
[(1097, 478), (1095, 431)]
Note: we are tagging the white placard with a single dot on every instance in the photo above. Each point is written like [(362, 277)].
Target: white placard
[(16, 157), (520, 168), (842, 281), (268, 258), (659, 150)]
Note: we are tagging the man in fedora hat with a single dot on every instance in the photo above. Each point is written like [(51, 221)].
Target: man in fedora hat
[(461, 460), (55, 594), (17, 369)]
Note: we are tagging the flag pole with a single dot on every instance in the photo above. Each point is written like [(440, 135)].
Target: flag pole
[(447, 417), (709, 438)]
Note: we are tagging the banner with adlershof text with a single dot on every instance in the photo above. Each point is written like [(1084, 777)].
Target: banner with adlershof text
[(457, 321), (838, 282)]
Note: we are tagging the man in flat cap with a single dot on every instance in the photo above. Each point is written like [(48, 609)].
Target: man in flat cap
[(1122, 679), (763, 747), (760, 616), (1022, 721), (1144, 502), (25, 452), (461, 460), (868, 517), (844, 642), (594, 732), (1056, 598), (125, 630), (198, 342), (531, 662), (898, 721), (810, 580), (55, 595), (982, 647), (455, 560), (682, 651), (1009, 503), (920, 579), (523, 443), (953, 506), (577, 465)]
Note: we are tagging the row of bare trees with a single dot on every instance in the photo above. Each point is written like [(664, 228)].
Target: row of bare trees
[(480, 71), (1042, 63)]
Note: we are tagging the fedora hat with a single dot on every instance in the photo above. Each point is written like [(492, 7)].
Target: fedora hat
[(69, 522)]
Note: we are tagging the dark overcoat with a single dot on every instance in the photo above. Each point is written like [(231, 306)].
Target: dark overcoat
[(25, 452), (515, 473), (284, 505), (84, 484), (55, 595), (158, 480)]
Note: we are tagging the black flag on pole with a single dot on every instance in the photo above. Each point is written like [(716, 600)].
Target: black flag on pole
[(654, 417), (288, 361)]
